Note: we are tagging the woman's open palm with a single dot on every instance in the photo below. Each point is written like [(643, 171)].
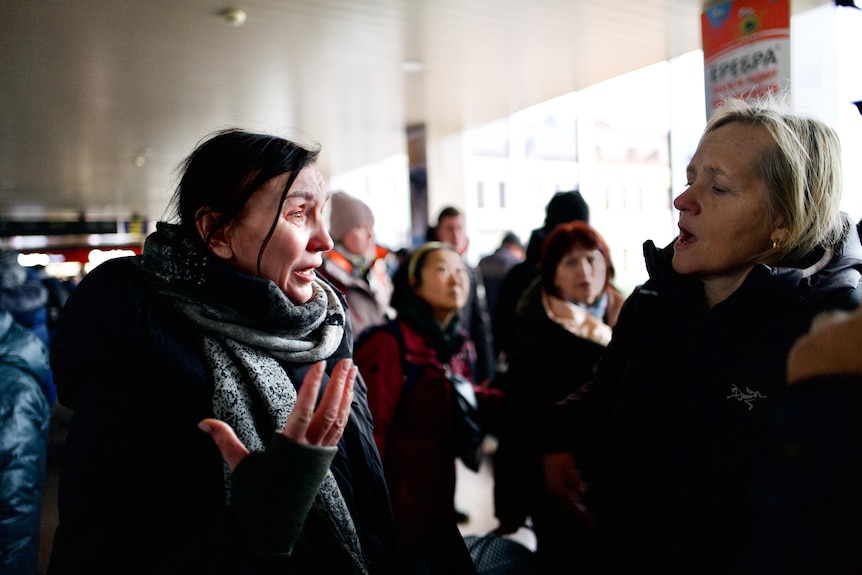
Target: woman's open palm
[(305, 424)]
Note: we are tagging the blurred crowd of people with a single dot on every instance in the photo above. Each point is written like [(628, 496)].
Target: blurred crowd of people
[(287, 395)]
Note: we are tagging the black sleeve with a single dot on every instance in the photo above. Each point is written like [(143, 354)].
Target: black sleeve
[(480, 330), (271, 497), (806, 502), (576, 423), (142, 489)]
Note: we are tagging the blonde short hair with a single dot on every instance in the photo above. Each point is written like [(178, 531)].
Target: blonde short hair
[(802, 172)]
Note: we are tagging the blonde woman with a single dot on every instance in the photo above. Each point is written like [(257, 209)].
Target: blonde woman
[(689, 384)]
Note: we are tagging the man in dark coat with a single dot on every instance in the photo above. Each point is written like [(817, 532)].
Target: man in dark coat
[(494, 268)]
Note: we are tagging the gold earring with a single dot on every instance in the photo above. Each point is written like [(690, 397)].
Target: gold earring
[(775, 244)]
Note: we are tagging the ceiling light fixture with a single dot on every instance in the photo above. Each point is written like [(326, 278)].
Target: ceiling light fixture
[(234, 16), (412, 66)]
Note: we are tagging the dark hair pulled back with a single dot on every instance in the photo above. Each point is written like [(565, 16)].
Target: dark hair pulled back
[(226, 169)]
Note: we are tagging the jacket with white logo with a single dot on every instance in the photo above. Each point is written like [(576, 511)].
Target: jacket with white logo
[(669, 435)]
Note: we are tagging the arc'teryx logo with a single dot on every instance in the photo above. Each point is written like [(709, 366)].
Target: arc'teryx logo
[(748, 396)]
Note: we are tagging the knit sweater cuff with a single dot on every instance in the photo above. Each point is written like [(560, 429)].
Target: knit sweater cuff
[(272, 492)]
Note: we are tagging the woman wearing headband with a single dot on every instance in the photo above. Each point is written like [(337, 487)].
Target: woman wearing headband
[(409, 364)]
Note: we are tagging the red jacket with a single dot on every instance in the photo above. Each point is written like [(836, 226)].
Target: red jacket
[(413, 427)]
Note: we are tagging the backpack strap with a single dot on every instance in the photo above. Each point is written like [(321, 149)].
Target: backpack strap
[(410, 370)]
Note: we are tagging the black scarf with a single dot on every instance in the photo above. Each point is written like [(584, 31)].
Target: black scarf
[(445, 341)]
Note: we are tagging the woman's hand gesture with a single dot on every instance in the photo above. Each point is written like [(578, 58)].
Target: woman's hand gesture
[(323, 426)]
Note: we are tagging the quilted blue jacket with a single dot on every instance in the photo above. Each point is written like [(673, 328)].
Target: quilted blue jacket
[(24, 419)]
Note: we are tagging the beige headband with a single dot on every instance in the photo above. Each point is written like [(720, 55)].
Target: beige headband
[(418, 254)]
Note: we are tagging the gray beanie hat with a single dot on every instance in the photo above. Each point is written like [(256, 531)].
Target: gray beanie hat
[(347, 213)]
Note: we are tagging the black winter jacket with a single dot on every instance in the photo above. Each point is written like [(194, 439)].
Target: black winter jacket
[(546, 363), (141, 487), (24, 419), (805, 493), (676, 423)]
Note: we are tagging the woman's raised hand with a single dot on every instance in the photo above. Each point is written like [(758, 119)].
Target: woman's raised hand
[(305, 424), (325, 425)]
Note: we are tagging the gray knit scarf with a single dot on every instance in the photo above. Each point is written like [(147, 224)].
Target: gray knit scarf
[(248, 326)]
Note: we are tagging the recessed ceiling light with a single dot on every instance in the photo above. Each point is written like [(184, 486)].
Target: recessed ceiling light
[(412, 66), (234, 16)]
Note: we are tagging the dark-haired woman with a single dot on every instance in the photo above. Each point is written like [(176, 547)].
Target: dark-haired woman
[(408, 365), (563, 323), (223, 328)]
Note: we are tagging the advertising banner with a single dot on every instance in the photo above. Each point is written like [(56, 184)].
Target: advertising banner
[(746, 49)]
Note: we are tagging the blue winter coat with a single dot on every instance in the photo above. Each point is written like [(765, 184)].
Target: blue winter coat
[(24, 419)]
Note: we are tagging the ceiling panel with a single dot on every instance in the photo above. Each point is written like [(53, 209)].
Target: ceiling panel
[(102, 99)]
